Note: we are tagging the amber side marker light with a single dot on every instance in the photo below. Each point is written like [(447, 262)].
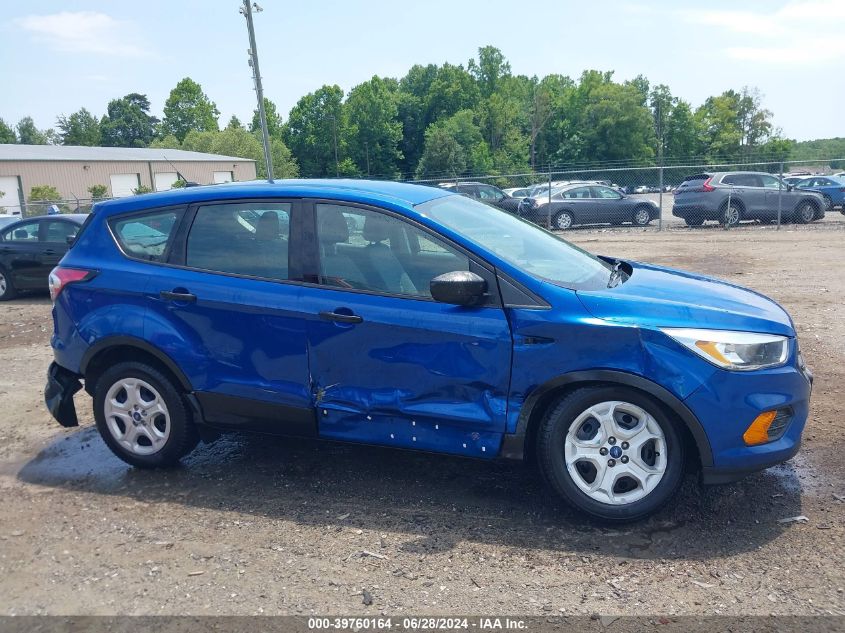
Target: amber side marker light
[(758, 432)]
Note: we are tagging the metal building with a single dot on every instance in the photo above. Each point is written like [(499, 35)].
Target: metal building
[(73, 169)]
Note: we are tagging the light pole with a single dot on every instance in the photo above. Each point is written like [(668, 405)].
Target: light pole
[(246, 11), (334, 127)]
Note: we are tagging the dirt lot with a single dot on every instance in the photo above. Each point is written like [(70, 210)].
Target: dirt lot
[(251, 525)]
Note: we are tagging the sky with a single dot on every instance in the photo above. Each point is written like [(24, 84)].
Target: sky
[(60, 55)]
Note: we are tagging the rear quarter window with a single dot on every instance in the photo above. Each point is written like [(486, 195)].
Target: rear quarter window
[(147, 236)]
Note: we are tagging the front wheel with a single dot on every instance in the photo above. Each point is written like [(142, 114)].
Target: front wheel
[(563, 220), (7, 290), (611, 452), (806, 213), (642, 216), (142, 417), (731, 215), (828, 202)]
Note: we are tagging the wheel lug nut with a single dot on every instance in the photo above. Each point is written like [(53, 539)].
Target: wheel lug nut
[(624, 459), (603, 450), (611, 462), (611, 440), (624, 446)]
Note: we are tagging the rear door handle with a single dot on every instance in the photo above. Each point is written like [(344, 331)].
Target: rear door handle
[(340, 318), (184, 297)]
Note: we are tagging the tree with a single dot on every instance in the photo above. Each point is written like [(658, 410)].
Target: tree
[(454, 147), (234, 122), (490, 69), (98, 192), (661, 103), (80, 128), (374, 132), (28, 134), (44, 193), (316, 126), (142, 189), (188, 108), (274, 120), (734, 124), (617, 124), (681, 135), (7, 134), (128, 123), (168, 142)]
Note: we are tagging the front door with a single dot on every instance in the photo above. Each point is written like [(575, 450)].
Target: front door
[(389, 365), (20, 254)]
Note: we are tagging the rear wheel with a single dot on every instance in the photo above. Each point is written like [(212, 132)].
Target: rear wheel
[(611, 452), (642, 216), (731, 215), (7, 290), (142, 417), (563, 220), (805, 213)]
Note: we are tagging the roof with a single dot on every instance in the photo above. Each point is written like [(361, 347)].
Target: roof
[(397, 194), (93, 154)]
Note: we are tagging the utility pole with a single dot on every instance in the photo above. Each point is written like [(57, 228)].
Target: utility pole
[(246, 11), (334, 128)]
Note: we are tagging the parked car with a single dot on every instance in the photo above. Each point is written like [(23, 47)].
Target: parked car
[(30, 248), (793, 180), (578, 204), (753, 196), (640, 189), (485, 193), (832, 189), (445, 325), (517, 192)]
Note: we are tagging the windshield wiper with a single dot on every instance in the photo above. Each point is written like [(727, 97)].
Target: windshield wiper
[(615, 275)]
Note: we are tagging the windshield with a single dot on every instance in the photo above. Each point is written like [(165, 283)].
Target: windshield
[(525, 245)]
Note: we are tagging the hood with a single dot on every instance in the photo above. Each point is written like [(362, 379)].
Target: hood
[(662, 297)]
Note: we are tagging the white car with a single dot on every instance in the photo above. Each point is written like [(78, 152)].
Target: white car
[(6, 219)]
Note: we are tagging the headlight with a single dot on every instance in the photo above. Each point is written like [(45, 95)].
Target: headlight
[(742, 351)]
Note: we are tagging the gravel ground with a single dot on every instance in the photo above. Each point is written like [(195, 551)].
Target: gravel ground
[(255, 525)]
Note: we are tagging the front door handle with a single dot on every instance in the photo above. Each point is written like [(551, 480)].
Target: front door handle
[(340, 318), (184, 297), (49, 251)]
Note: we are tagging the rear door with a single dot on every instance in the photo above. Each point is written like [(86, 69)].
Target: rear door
[(609, 205), (749, 189), (775, 192), (389, 364), (230, 302), (55, 235)]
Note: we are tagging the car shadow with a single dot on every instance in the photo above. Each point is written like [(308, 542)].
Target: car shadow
[(437, 500)]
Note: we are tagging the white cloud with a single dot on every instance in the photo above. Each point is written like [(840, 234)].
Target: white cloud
[(84, 32), (799, 32)]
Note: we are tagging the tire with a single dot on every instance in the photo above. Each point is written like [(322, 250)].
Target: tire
[(567, 467), (828, 202), (696, 221), (162, 431), (805, 213), (642, 216), (562, 221), (731, 215), (7, 289)]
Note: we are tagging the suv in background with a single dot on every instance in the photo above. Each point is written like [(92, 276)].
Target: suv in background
[(483, 192), (730, 197)]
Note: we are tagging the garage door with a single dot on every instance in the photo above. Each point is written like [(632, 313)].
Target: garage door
[(122, 185), (222, 176), (164, 181), (10, 199)]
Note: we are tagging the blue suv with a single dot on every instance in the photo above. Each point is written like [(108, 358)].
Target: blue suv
[(409, 316)]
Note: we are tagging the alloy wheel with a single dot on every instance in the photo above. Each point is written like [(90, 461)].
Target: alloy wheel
[(642, 217), (3, 284), (563, 221), (615, 452), (136, 416)]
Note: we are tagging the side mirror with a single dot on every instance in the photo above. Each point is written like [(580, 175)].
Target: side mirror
[(70, 239), (790, 187), (461, 287)]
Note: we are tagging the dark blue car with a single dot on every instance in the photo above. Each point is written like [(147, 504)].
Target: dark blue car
[(409, 316), (832, 189)]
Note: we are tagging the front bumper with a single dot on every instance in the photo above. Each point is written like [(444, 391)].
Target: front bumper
[(62, 384)]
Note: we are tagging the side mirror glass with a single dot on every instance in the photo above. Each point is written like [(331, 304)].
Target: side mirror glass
[(461, 287)]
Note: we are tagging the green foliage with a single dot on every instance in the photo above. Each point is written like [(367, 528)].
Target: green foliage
[(233, 122), (374, 133), (128, 122), (274, 120), (178, 184), (80, 128), (826, 147), (188, 108), (141, 189), (28, 134), (168, 142), (98, 192), (44, 193), (7, 134), (453, 147), (315, 124)]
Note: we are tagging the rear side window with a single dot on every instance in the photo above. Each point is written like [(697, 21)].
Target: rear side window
[(742, 180), (147, 236), (248, 239), (59, 231), (26, 232)]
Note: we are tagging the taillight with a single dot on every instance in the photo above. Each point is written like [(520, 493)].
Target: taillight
[(706, 186), (61, 277)]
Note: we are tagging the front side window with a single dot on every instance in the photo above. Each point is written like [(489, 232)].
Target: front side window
[(146, 236), (518, 242), (26, 232), (486, 192), (770, 182), (60, 231), (367, 250), (249, 239)]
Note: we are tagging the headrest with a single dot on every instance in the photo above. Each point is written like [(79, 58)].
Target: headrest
[(333, 227), (267, 227), (376, 228)]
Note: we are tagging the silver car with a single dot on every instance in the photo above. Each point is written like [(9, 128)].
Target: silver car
[(730, 197)]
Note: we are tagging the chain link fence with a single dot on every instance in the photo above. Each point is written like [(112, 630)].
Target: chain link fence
[(668, 197)]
